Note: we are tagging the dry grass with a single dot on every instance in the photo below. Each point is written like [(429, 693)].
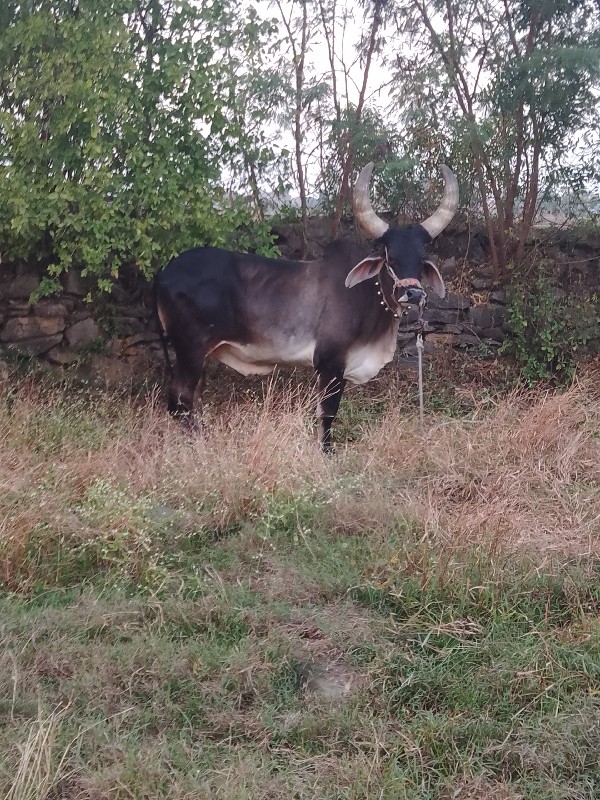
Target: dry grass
[(522, 475), (39, 769), (182, 597)]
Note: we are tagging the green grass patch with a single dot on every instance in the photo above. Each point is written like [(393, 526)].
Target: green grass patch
[(454, 685), (170, 613)]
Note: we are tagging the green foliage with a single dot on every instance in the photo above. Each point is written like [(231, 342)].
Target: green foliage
[(547, 329), (370, 140), (132, 129), (507, 93), (257, 93), (108, 119)]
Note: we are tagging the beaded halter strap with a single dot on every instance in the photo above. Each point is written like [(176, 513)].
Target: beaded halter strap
[(399, 283)]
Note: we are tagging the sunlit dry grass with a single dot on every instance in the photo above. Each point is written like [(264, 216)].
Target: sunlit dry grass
[(523, 474), (39, 769)]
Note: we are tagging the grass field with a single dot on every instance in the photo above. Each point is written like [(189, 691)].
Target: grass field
[(240, 617)]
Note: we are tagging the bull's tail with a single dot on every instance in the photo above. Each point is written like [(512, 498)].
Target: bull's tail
[(161, 331)]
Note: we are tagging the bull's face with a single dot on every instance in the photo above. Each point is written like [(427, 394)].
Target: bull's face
[(402, 253)]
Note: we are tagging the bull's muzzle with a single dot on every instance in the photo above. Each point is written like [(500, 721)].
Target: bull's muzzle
[(413, 296)]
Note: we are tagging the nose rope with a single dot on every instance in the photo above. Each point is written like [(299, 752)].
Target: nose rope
[(420, 349), (407, 283), (402, 283)]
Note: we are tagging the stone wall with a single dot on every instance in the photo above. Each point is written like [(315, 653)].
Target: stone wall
[(68, 329), (117, 334)]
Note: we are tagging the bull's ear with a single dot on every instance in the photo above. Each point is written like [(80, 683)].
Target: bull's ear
[(432, 275), (365, 269)]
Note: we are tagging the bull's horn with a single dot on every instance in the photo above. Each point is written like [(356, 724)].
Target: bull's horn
[(372, 225), (441, 218)]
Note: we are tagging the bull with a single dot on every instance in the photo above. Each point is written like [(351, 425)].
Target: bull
[(338, 314)]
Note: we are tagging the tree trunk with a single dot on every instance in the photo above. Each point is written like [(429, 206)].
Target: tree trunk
[(344, 194)]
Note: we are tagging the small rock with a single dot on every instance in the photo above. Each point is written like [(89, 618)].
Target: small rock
[(61, 356), (130, 344), (18, 309), (440, 316), (79, 314), (115, 347), (405, 338), (494, 334), (119, 294), (492, 316), (19, 328), (404, 361), (129, 326), (451, 301), (141, 338), (73, 283), (37, 345), (23, 286), (48, 308), (485, 271), (448, 267), (82, 333), (411, 316)]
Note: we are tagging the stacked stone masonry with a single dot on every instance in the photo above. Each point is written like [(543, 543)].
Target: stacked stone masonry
[(67, 328)]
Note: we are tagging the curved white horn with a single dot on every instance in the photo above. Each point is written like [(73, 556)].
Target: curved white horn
[(372, 225), (441, 218)]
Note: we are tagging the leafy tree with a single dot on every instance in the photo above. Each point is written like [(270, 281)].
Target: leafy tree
[(505, 87), (111, 117), (297, 39), (246, 134), (346, 142)]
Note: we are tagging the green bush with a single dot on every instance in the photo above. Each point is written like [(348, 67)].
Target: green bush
[(111, 118), (547, 329)]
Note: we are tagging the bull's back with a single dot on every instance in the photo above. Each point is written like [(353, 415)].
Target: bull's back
[(197, 288), (261, 294), (193, 270), (253, 312)]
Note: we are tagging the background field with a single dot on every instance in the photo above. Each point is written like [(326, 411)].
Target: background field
[(241, 617)]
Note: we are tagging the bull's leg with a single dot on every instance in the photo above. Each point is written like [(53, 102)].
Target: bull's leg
[(331, 389), (188, 379)]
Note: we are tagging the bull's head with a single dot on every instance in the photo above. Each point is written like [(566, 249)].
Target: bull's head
[(404, 254)]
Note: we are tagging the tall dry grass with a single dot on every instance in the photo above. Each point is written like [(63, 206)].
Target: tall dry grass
[(524, 475), (42, 764)]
